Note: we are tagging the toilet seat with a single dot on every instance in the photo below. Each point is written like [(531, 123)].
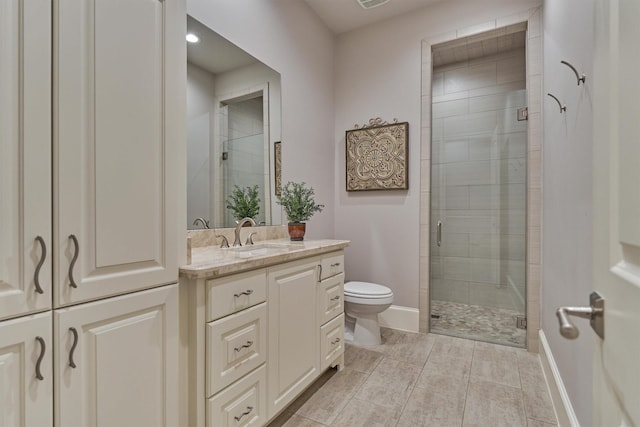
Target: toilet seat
[(367, 293)]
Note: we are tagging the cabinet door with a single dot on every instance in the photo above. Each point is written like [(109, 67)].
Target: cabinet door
[(117, 361), (26, 383), (25, 156), (119, 97), (293, 358)]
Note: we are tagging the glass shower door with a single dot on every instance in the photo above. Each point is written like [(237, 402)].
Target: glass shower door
[(478, 215)]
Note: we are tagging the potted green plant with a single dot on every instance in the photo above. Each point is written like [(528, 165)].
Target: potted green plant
[(299, 205), (244, 202)]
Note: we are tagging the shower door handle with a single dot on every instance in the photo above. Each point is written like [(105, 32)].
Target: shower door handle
[(439, 233)]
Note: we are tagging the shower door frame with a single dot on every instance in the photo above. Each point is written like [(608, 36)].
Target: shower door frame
[(533, 52)]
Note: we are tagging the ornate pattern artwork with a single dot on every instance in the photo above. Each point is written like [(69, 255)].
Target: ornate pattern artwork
[(377, 156), (277, 162)]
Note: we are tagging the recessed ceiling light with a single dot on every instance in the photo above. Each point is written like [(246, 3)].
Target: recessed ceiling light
[(192, 38), (368, 4)]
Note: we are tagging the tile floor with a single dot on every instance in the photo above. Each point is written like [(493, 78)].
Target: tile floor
[(497, 325), (427, 380)]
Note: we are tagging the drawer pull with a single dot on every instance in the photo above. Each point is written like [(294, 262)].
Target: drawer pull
[(337, 264), (39, 361), (247, 345), (247, 292), (336, 298), (336, 341), (319, 272), (36, 275), (247, 412)]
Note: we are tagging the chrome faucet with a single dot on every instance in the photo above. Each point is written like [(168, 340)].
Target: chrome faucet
[(242, 222), (204, 222)]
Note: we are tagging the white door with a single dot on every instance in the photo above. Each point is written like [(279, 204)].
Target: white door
[(25, 157), (26, 374), (117, 361), (616, 397), (119, 108)]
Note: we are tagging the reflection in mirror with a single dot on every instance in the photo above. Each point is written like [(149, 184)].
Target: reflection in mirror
[(233, 120)]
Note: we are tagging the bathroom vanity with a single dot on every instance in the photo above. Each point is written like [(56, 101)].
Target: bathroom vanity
[(263, 322)]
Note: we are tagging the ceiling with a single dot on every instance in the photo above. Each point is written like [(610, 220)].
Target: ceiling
[(346, 15), (480, 45), (213, 52)]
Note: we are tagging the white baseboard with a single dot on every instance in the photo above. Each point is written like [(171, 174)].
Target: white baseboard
[(401, 318), (562, 404)]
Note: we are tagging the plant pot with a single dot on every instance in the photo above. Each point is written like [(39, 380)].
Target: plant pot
[(296, 230)]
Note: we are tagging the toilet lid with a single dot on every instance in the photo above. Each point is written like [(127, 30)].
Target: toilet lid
[(366, 289)]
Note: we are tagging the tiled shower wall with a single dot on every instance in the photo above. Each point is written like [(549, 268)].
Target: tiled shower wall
[(479, 154), (244, 142), (534, 163)]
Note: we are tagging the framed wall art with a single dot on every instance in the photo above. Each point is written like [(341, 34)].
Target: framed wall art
[(377, 156), (277, 167)]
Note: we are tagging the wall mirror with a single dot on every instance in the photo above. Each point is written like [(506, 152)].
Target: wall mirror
[(233, 121)]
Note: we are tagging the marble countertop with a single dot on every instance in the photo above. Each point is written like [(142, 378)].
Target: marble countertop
[(212, 261)]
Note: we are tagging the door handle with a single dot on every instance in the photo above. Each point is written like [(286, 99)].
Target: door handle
[(595, 314), (439, 233)]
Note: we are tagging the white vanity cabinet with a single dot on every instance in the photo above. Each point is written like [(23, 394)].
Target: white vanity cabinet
[(225, 319), (259, 338), (331, 310), (293, 338)]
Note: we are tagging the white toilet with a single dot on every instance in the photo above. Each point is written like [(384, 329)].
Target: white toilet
[(362, 303)]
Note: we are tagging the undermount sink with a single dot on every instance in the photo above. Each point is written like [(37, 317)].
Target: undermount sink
[(249, 251)]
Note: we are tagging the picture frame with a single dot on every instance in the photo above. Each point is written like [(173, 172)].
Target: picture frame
[(377, 156), (277, 167)]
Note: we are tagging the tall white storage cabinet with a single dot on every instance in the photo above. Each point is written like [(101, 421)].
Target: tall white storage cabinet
[(116, 361), (92, 111), (26, 374), (25, 157), (117, 117)]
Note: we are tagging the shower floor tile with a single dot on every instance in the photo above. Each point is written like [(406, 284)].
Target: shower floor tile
[(477, 322)]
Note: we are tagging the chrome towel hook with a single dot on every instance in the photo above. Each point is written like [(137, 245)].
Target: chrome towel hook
[(580, 79), (562, 107)]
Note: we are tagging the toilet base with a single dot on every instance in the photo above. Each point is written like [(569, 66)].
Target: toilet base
[(363, 329)]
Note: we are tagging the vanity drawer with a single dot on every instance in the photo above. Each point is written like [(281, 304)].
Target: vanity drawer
[(231, 294), (235, 346), (331, 341), (331, 298), (332, 265), (242, 404)]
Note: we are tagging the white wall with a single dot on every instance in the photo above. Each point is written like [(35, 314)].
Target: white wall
[(567, 195), (288, 37), (378, 74), (200, 117)]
